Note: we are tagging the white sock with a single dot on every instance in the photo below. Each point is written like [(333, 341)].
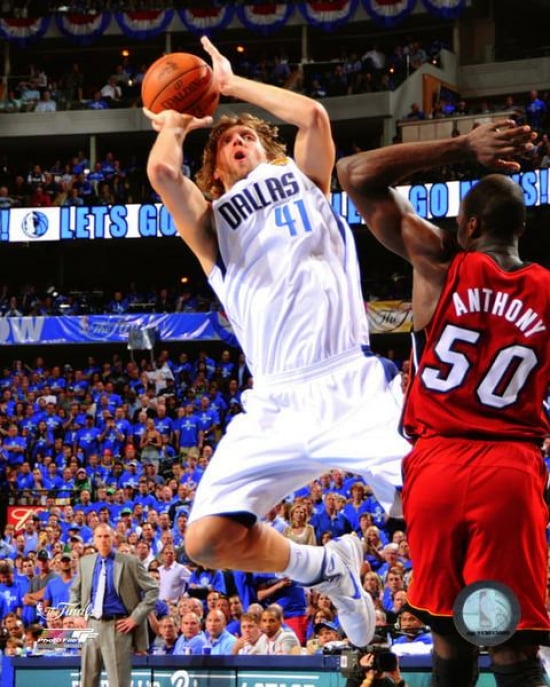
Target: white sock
[(306, 563)]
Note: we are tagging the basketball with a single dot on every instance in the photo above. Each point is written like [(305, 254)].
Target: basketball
[(180, 81)]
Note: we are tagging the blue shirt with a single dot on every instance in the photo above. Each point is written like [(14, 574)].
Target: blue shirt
[(222, 645), (112, 604), (188, 428), (209, 578), (57, 591), (14, 457), (291, 598), (88, 439), (246, 589), (195, 644), (338, 525), (11, 597), (423, 637)]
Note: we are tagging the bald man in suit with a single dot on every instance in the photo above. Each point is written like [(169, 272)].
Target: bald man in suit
[(117, 593)]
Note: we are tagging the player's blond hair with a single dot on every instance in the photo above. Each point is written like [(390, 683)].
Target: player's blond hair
[(267, 133)]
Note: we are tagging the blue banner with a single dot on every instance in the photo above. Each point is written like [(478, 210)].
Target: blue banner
[(99, 223), (86, 329)]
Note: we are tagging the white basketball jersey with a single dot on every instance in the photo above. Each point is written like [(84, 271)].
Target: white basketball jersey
[(288, 276)]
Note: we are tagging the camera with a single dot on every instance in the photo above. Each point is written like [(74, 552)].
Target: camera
[(350, 657)]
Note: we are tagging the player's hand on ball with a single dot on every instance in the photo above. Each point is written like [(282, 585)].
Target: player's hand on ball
[(173, 119), (221, 66)]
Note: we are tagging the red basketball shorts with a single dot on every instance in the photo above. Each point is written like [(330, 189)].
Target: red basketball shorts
[(475, 510)]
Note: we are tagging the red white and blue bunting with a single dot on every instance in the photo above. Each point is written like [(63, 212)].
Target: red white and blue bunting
[(262, 17), (207, 21), (448, 9), (265, 18), (388, 12), (328, 14), (144, 24), (23, 32), (83, 29)]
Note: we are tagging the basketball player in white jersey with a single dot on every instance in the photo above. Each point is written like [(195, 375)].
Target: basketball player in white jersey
[(285, 268)]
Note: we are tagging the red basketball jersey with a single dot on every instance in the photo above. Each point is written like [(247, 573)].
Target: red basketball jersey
[(484, 367)]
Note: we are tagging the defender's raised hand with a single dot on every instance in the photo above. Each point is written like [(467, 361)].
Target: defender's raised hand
[(496, 144)]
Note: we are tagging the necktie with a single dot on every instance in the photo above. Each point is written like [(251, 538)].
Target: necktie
[(97, 610)]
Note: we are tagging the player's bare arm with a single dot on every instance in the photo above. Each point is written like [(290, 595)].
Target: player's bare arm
[(314, 148), (183, 199), (369, 176)]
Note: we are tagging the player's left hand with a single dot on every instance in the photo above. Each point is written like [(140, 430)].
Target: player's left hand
[(176, 120), (223, 71), (496, 144)]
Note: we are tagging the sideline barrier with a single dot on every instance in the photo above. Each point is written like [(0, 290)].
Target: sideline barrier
[(213, 671)]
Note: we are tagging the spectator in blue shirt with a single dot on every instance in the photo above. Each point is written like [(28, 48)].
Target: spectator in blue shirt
[(122, 424), (192, 639), (205, 578), (52, 419), (209, 420), (98, 103), (10, 593), (411, 629), (218, 638), (330, 519), (226, 365), (87, 438), (163, 423), (535, 111), (24, 478), (14, 446), (354, 509), (58, 589), (186, 428), (165, 643), (118, 305)]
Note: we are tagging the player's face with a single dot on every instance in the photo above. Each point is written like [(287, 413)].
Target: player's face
[(239, 152)]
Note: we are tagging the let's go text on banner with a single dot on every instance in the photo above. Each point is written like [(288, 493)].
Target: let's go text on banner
[(432, 201)]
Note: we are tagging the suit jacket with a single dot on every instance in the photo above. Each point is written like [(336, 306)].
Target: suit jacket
[(137, 590)]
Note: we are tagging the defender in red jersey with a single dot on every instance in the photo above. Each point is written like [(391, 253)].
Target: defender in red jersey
[(475, 480)]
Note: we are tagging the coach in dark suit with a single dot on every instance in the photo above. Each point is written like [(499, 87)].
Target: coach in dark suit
[(118, 594)]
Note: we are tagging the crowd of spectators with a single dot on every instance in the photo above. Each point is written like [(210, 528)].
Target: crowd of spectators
[(74, 183), (350, 72), (21, 9), (127, 444), (113, 180), (33, 302), (529, 108)]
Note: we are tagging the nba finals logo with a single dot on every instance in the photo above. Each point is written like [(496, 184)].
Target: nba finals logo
[(65, 632), (486, 613)]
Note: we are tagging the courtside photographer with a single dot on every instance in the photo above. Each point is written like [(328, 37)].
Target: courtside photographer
[(374, 666)]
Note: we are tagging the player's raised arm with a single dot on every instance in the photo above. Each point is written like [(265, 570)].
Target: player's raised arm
[(368, 177), (183, 199), (314, 148)]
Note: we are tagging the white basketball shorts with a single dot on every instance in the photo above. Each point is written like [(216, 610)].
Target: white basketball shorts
[(296, 426)]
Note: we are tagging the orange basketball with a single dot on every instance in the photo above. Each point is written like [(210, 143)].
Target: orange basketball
[(180, 81)]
